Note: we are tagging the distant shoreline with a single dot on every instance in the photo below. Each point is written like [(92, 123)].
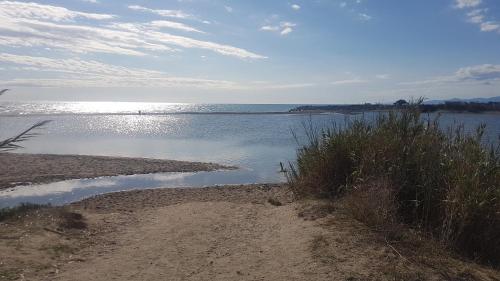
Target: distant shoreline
[(453, 107)]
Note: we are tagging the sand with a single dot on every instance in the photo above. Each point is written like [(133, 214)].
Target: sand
[(21, 169), (217, 233)]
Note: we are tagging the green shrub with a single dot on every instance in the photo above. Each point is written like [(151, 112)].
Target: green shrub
[(445, 182)]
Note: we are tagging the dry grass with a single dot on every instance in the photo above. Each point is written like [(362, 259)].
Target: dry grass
[(373, 203)]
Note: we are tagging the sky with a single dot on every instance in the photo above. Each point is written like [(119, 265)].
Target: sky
[(260, 51)]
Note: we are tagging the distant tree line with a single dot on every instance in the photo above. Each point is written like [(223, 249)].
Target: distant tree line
[(455, 106), (475, 107)]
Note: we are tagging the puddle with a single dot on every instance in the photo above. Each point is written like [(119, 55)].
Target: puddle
[(64, 192)]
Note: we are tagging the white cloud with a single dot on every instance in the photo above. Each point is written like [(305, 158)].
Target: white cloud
[(489, 26), (484, 73), (295, 7), (467, 3), (174, 25), (21, 10), (164, 13), (269, 28), (286, 31), (348, 81), (364, 17), (228, 9), (62, 73), (92, 1), (478, 16), (81, 73), (287, 24), (36, 25), (283, 28)]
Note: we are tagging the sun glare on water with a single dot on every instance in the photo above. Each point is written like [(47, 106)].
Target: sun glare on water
[(122, 107)]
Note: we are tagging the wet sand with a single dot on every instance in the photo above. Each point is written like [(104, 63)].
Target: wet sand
[(21, 169)]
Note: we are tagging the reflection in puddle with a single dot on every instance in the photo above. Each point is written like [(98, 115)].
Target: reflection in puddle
[(65, 192)]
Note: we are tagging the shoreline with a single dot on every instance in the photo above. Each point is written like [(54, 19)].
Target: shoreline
[(18, 169)]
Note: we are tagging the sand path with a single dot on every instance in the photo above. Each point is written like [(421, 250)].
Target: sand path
[(209, 241), (216, 233)]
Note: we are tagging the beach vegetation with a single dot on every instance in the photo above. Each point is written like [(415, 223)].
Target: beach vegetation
[(14, 142), (401, 168)]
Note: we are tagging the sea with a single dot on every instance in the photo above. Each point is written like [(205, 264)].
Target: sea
[(256, 138)]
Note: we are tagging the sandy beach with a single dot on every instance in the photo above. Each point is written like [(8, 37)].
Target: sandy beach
[(249, 232), (282, 140), (21, 169)]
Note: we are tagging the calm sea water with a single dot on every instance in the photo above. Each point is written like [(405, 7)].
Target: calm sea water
[(256, 143), (34, 108)]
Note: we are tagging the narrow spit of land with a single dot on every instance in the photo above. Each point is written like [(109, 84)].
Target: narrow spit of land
[(252, 232), (21, 169)]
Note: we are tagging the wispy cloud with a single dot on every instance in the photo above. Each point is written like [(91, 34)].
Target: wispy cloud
[(164, 13), (484, 73), (173, 25), (279, 86), (228, 9), (478, 16), (356, 9), (348, 81), (22, 10), (490, 26), (283, 27), (467, 3), (90, 73), (270, 28), (364, 17), (36, 25), (295, 7)]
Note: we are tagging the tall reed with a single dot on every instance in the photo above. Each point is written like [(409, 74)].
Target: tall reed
[(443, 181)]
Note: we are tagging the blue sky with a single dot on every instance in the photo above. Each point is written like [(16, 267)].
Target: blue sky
[(228, 51)]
